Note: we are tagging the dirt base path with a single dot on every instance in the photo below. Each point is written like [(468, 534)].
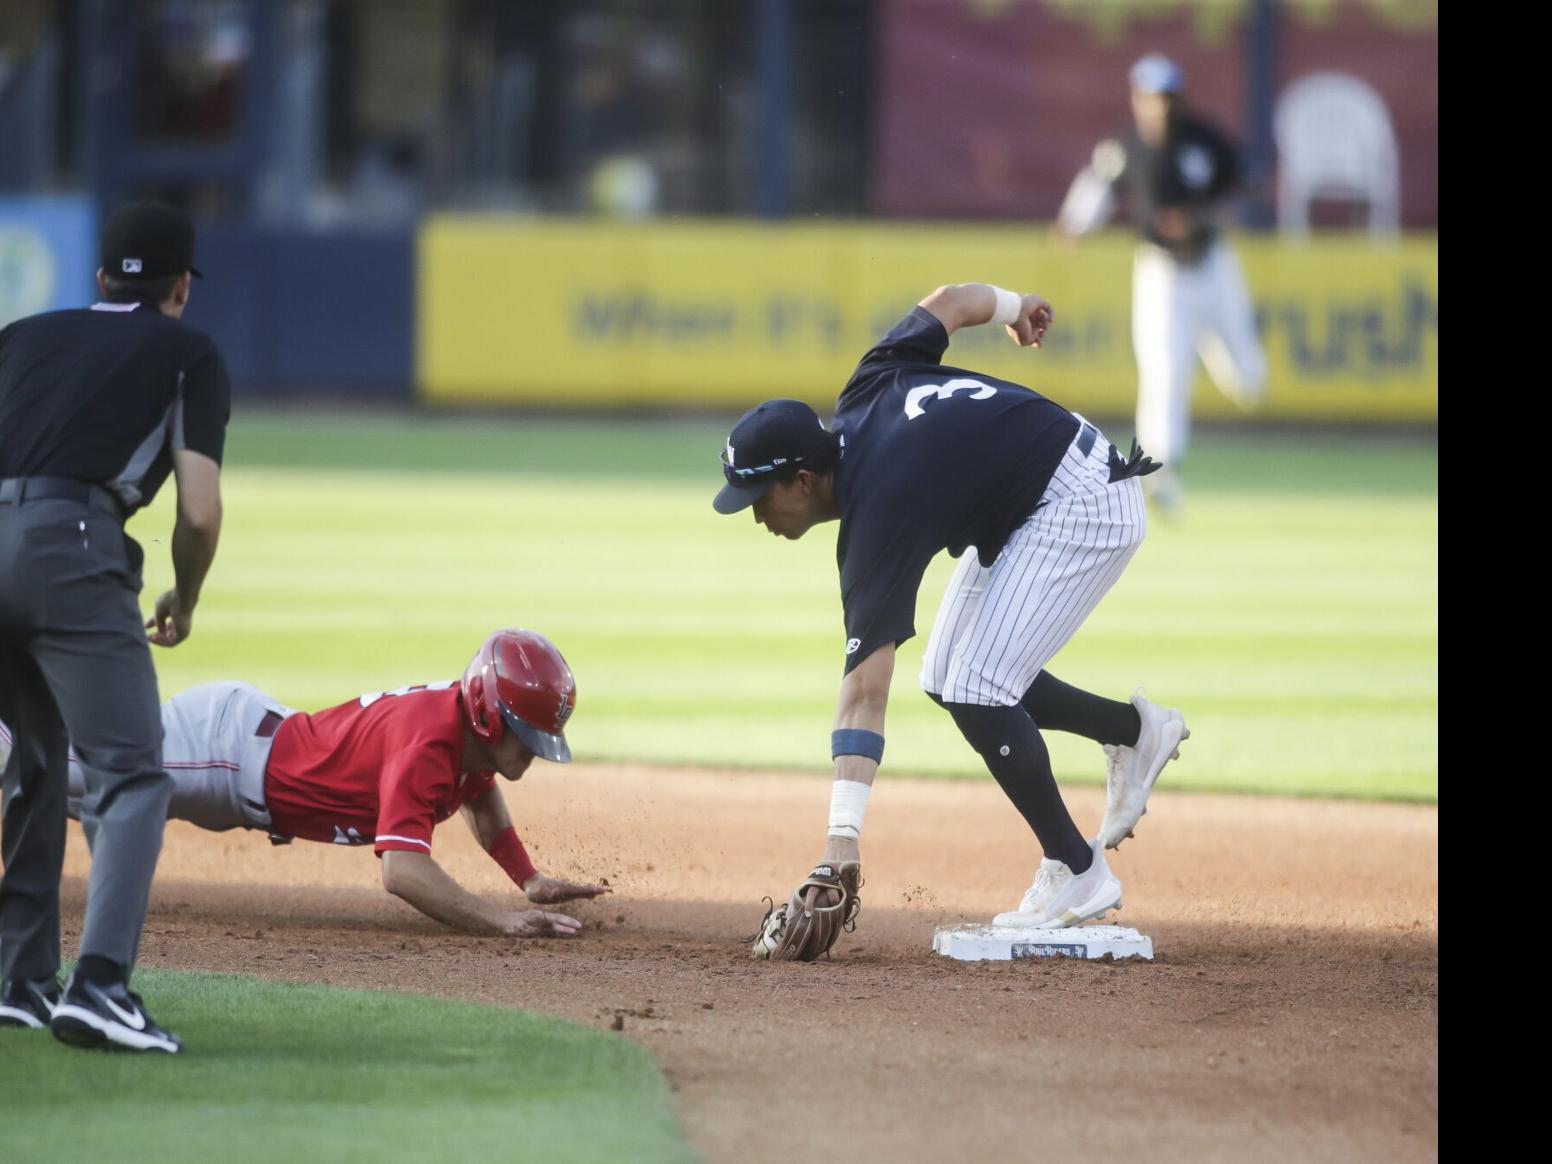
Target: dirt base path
[(1291, 1012)]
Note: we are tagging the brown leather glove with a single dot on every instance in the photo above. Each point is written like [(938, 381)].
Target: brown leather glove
[(809, 922)]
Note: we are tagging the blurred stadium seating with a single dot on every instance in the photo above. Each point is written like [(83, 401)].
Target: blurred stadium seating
[(321, 142)]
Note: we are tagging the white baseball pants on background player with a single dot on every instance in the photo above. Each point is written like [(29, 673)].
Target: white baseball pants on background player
[(211, 749), (1180, 311), (998, 626)]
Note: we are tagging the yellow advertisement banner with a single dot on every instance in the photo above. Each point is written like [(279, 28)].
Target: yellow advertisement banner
[(577, 314)]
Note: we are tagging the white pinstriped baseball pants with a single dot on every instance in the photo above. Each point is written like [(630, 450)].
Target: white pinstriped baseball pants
[(998, 626)]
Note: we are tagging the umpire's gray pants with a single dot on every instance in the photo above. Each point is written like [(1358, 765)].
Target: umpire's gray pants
[(75, 668)]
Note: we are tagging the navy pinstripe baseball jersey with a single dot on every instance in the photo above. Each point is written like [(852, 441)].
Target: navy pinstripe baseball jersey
[(933, 458)]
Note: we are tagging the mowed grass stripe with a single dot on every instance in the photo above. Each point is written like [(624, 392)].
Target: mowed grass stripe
[(1291, 613), (275, 1071)]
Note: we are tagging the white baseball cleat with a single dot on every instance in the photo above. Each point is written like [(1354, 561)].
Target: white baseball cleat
[(1134, 770), (1059, 897)]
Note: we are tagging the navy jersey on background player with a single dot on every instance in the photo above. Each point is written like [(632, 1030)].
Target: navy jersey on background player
[(1196, 167), (933, 458)]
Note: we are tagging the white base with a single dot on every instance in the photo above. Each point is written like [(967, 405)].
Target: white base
[(1002, 943)]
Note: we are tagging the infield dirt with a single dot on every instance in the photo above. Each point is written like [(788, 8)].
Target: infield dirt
[(1290, 1013)]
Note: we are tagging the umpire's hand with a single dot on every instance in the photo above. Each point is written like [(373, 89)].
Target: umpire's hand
[(171, 624)]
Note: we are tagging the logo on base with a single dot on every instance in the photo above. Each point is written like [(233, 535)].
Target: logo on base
[(1047, 950)]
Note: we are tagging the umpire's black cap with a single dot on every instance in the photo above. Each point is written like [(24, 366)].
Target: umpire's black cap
[(148, 240), (767, 438)]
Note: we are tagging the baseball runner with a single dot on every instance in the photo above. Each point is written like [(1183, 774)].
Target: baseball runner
[(97, 408), (1044, 515), (384, 770), (1177, 172)]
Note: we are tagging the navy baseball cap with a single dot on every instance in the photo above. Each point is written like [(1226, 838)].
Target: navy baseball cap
[(148, 240), (1156, 74), (769, 437)]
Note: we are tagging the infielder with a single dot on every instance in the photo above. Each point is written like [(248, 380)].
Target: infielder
[(1044, 515), (384, 770), (1178, 174)]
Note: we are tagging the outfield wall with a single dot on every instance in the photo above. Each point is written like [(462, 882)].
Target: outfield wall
[(491, 310), (722, 313), (48, 251), (309, 312)]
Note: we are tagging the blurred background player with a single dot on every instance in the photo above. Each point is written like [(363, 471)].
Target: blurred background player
[(1177, 173), (384, 770)]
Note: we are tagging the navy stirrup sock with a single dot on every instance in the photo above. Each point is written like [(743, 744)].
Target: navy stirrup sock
[(1010, 743), (1060, 707)]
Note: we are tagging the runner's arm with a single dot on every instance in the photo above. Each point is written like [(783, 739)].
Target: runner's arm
[(490, 822), (418, 880)]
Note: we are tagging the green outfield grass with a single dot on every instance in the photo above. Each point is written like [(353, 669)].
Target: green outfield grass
[(1291, 613), (303, 1073)]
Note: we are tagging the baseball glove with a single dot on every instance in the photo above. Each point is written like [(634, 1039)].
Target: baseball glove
[(787, 934)]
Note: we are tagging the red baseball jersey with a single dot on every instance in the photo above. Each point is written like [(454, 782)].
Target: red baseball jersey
[(384, 768)]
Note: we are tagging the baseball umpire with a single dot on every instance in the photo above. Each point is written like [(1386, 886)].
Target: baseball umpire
[(383, 770), (97, 407), (1177, 172), (1042, 512)]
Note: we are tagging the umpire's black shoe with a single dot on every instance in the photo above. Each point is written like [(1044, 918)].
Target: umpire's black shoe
[(29, 1004), (111, 1017)]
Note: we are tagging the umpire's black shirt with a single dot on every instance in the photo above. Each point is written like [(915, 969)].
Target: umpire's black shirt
[(105, 394), (932, 458)]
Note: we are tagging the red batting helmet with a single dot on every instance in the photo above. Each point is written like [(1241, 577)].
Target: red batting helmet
[(519, 680)]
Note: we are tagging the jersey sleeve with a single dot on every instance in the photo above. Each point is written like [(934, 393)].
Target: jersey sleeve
[(1109, 162), (919, 338), (413, 783), (206, 403), (881, 572)]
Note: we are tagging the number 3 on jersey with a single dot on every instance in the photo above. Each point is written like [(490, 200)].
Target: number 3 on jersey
[(916, 398)]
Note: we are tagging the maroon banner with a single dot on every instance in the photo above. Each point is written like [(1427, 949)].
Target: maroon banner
[(987, 108)]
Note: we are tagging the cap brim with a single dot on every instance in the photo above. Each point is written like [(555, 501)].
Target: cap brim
[(732, 498), (196, 272), (542, 744)]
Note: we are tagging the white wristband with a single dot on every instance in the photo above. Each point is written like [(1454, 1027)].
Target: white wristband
[(848, 801), (1009, 305)]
